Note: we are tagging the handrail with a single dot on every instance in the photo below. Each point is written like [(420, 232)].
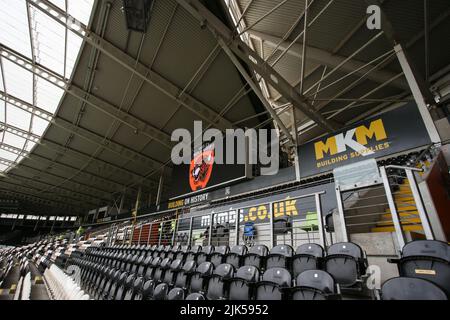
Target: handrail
[(392, 166)]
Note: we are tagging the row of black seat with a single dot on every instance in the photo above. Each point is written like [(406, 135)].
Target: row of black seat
[(306, 257)]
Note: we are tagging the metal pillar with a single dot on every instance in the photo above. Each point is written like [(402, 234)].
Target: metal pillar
[(419, 95), (161, 225), (211, 216), (419, 205), (341, 215), (272, 240), (160, 187), (322, 235), (150, 225), (190, 231), (394, 213), (236, 241)]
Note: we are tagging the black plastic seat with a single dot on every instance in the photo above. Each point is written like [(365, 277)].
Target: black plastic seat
[(404, 288), (183, 276), (160, 292), (176, 294), (314, 285), (217, 285), (103, 294), (273, 284), (200, 277), (426, 259), (160, 270), (116, 285), (182, 253), (307, 257), (135, 289), (346, 263), (124, 287), (152, 268), (193, 252), (204, 254), (236, 256), (195, 296), (174, 251), (280, 256), (256, 256), (170, 273), (242, 285), (219, 255), (147, 291)]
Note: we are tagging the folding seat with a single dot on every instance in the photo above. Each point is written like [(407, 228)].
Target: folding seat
[(426, 259), (274, 284), (217, 288), (137, 290), (183, 276), (152, 268), (134, 289), (95, 283), (236, 256), (193, 252), (128, 263), (170, 273), (158, 275), (204, 254), (116, 285), (147, 291), (103, 283), (307, 257), (173, 252), (131, 265), (182, 253), (176, 294), (219, 254), (143, 266), (160, 292), (200, 277), (242, 285), (124, 287), (165, 252), (314, 285), (158, 251), (256, 256), (404, 288), (280, 256), (195, 296), (346, 263)]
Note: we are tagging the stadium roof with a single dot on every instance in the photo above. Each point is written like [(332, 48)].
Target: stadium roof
[(113, 96)]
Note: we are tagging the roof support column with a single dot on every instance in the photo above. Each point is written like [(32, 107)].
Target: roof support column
[(160, 187), (417, 91)]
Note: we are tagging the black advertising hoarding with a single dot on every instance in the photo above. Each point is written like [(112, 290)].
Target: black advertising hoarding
[(392, 132), (190, 179)]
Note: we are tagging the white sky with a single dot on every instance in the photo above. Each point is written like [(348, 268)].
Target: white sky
[(49, 40)]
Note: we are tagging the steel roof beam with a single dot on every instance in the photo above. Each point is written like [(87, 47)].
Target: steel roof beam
[(63, 167), (37, 200), (327, 58), (76, 187), (103, 168), (252, 58), (25, 189), (128, 62), (63, 191)]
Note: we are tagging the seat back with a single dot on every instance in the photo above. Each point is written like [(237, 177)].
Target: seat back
[(307, 257), (160, 292), (195, 296), (182, 277), (176, 294), (192, 253), (198, 281), (219, 254), (427, 259), (404, 288), (241, 286), (135, 289), (273, 280), (235, 256), (204, 254), (175, 266), (345, 263), (279, 257), (256, 255), (216, 284), (313, 285)]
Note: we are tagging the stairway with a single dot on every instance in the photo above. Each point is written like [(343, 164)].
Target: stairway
[(406, 209)]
